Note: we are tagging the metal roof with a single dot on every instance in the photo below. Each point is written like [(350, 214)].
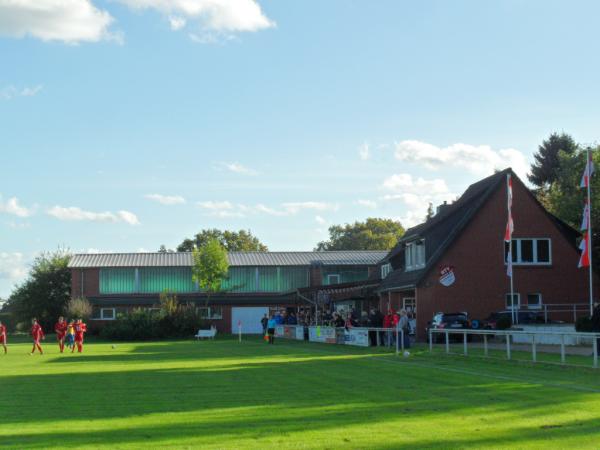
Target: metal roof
[(327, 258)]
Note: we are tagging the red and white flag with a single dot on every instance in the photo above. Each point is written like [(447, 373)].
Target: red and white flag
[(588, 172), (585, 221), (509, 226), (584, 246)]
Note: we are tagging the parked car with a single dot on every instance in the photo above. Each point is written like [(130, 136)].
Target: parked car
[(452, 321), (524, 317)]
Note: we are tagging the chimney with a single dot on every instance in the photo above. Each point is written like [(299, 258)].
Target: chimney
[(441, 207)]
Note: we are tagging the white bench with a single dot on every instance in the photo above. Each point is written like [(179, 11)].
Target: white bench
[(207, 333)]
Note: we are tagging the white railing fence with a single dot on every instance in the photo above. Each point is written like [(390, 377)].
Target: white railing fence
[(509, 336)]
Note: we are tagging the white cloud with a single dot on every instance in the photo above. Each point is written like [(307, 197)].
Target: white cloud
[(166, 199), (239, 168), (320, 220), (404, 182), (74, 213), (415, 194), (209, 16), (364, 152), (69, 21), (12, 206), (10, 92), (477, 159), (296, 207), (216, 206), (367, 203), (12, 266), (227, 209)]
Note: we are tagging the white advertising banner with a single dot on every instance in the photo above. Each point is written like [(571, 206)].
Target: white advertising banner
[(322, 334), (356, 336), (279, 330)]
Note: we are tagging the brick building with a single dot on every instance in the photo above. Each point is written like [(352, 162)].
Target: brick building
[(455, 261)]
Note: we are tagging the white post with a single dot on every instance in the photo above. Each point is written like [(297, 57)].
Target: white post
[(596, 351), (485, 345), (430, 342), (397, 343), (562, 349), (402, 337), (533, 348), (465, 343), (589, 230), (507, 346), (447, 342)]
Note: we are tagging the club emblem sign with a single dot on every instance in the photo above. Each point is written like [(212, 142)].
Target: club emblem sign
[(447, 277)]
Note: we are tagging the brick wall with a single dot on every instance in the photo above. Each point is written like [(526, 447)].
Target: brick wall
[(90, 279)]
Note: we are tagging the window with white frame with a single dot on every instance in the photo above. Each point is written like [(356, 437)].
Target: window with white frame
[(414, 255), (534, 301), (385, 270), (107, 314), (212, 312), (333, 278), (409, 304), (534, 251), (516, 301)]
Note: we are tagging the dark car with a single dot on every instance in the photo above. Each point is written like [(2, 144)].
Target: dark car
[(524, 318), (451, 321)]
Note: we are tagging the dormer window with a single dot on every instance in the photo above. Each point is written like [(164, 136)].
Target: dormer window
[(385, 270), (414, 255)]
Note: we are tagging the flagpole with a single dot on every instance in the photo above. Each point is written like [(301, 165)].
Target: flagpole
[(510, 246), (589, 231)]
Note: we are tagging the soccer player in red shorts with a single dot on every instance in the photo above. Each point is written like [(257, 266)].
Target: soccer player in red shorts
[(61, 331), (80, 329), (3, 337), (37, 334)]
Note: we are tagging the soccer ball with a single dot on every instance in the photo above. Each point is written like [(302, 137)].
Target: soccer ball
[(406, 354), (114, 346)]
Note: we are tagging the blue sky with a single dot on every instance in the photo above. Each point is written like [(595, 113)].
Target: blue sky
[(128, 124)]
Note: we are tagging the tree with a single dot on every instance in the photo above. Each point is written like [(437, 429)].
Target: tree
[(164, 249), (46, 291), (565, 199), (231, 241), (373, 234), (430, 212), (210, 267), (544, 171)]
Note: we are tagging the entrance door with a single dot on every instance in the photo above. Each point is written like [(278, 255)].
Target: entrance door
[(249, 318)]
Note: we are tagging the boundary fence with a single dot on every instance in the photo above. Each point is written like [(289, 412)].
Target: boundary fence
[(509, 336)]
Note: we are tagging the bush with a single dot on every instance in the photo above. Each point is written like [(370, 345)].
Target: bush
[(78, 308), (173, 321), (584, 325), (8, 321), (503, 323)]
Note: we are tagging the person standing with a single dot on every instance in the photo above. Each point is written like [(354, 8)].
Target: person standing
[(264, 321), (80, 329), (271, 324), (60, 329), (404, 325), (596, 324), (37, 333), (387, 324), (71, 334), (3, 337)]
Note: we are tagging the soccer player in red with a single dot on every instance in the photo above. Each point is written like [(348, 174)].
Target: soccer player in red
[(3, 337), (61, 331), (80, 329), (37, 334)]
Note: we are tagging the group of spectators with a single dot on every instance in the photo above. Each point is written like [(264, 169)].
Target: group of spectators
[(344, 319)]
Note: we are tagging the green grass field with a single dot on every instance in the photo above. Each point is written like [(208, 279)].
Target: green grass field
[(224, 394)]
